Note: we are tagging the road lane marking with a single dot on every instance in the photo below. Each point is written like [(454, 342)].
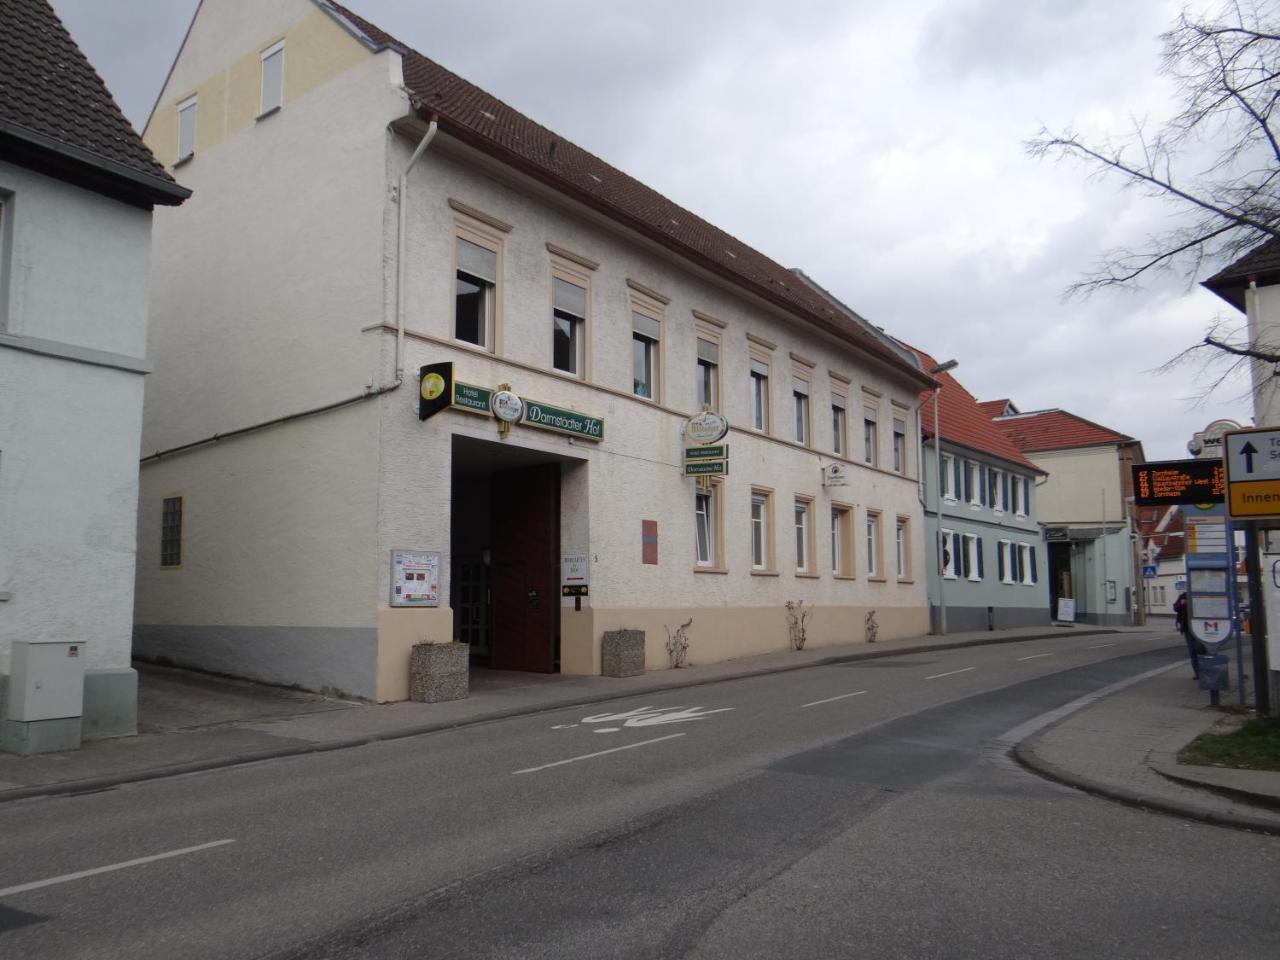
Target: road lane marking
[(843, 696), (950, 673), (1099, 646), (586, 756), (1036, 656), (81, 874)]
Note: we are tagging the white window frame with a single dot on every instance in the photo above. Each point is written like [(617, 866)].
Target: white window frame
[(1029, 574), (839, 424), (188, 106), (761, 531), (580, 323), (759, 373), (870, 435), (902, 545), (708, 368), (871, 528), (1024, 503), (949, 493), (704, 511), (1004, 560), (800, 388), (973, 560), (900, 451), (950, 555), (842, 546), (264, 108), (803, 517), (975, 482)]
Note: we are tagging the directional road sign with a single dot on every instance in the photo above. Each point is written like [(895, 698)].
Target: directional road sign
[(1252, 459)]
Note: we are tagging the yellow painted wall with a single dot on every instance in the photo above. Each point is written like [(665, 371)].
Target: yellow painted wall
[(316, 50), (398, 630)]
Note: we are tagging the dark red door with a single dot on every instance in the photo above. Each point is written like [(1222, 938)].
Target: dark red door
[(526, 574)]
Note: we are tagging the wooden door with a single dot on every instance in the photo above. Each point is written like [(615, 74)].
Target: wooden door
[(526, 549)]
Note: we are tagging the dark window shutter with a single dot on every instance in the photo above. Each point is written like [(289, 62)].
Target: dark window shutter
[(982, 485), (1000, 551), (981, 575), (1004, 486), (964, 555), (1034, 575), (968, 482)]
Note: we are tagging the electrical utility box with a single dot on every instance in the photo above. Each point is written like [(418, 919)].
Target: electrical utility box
[(46, 680)]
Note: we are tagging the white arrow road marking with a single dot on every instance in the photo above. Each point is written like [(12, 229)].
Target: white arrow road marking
[(587, 756), (950, 673), (843, 696), (1036, 656), (81, 874), (651, 717)]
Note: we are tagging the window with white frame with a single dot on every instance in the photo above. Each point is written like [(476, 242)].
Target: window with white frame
[(902, 547), (761, 522), (475, 293), (646, 336), (804, 535), (760, 395), (800, 401), (186, 128), (568, 326), (973, 483), (950, 553), (1024, 506), (272, 78), (842, 540), (872, 532), (992, 485), (899, 445), (870, 436), (1004, 561), (708, 374), (948, 477), (839, 424), (972, 547), (1027, 572)]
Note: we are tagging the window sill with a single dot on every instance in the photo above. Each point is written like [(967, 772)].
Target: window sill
[(183, 161), (801, 575), (843, 576), (764, 573), (474, 348), (267, 113), (701, 569), (877, 580), (906, 580)]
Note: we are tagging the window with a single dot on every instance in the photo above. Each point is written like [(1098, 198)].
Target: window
[(1024, 504), (761, 523), (760, 395), (839, 428), (171, 532), (902, 547), (704, 519), (949, 475), (973, 483), (568, 326), (272, 78), (186, 128), (869, 438), (6, 244), (475, 293), (873, 545), (708, 374), (644, 356), (804, 536), (1004, 565), (950, 554), (1002, 503), (1026, 564), (800, 396), (899, 446), (972, 557), (842, 541)]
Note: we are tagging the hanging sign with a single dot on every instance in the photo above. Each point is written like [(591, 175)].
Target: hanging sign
[(435, 388), (706, 427), (506, 406), (471, 398)]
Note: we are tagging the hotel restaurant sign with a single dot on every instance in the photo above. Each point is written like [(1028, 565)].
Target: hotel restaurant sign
[(511, 408)]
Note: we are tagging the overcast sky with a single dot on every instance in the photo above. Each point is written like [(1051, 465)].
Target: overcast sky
[(880, 147)]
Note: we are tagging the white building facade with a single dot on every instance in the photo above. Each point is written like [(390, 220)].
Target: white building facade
[(311, 278)]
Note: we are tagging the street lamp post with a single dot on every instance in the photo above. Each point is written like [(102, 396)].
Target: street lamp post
[(937, 455)]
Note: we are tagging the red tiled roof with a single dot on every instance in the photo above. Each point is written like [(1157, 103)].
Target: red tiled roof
[(482, 121), (57, 116), (993, 408), (1162, 530), (963, 420), (1057, 430)]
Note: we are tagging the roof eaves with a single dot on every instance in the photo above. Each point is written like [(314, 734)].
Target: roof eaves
[(376, 46)]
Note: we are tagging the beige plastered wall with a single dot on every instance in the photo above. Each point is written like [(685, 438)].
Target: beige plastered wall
[(1077, 484)]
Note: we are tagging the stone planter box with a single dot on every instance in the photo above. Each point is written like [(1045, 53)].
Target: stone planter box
[(439, 672), (622, 653)]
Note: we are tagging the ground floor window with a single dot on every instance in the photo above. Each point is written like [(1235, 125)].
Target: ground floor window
[(708, 531), (872, 532), (171, 532), (902, 544), (761, 530)]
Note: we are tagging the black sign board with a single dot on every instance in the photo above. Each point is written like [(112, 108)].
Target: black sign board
[(1169, 482), (435, 388)]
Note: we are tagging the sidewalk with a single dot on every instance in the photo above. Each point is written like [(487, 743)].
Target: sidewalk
[(1125, 747), (1122, 746)]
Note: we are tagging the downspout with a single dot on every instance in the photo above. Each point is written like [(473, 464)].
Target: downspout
[(401, 205)]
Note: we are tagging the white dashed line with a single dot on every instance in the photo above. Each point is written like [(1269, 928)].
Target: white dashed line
[(1036, 656), (843, 696), (81, 874), (1099, 646), (950, 673), (588, 756)]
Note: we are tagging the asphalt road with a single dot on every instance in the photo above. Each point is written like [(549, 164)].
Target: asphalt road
[(837, 811)]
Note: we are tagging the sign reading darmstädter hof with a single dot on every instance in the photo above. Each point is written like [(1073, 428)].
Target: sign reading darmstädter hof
[(547, 417)]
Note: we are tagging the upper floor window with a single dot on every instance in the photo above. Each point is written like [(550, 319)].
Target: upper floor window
[(839, 426), (475, 293), (568, 326), (645, 340), (870, 437), (899, 446), (272, 78), (800, 399), (708, 374), (973, 483), (186, 128), (760, 395), (948, 476)]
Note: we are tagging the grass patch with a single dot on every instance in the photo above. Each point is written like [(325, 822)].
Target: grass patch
[(1254, 746)]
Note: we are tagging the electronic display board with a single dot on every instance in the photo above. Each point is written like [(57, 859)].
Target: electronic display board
[(1169, 482)]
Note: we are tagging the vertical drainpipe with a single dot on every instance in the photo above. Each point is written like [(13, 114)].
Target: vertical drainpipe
[(401, 216)]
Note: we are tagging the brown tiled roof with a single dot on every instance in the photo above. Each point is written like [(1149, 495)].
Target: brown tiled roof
[(1162, 530), (57, 116), (1056, 430), (1261, 263), (963, 420), (482, 121), (994, 408)]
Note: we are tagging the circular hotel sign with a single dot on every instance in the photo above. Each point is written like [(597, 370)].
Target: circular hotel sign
[(706, 427), (506, 406), (432, 386)]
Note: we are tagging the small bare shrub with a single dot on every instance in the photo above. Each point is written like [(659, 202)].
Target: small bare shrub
[(797, 617), (678, 644)]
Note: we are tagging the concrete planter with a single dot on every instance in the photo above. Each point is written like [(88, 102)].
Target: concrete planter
[(622, 653), (439, 672)]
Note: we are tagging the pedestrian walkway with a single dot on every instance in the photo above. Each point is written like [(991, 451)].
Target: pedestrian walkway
[(191, 722), (1125, 746)]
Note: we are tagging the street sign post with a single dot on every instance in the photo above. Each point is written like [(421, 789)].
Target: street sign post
[(1252, 462)]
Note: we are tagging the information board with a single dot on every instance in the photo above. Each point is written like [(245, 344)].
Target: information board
[(1172, 482), (415, 578)]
